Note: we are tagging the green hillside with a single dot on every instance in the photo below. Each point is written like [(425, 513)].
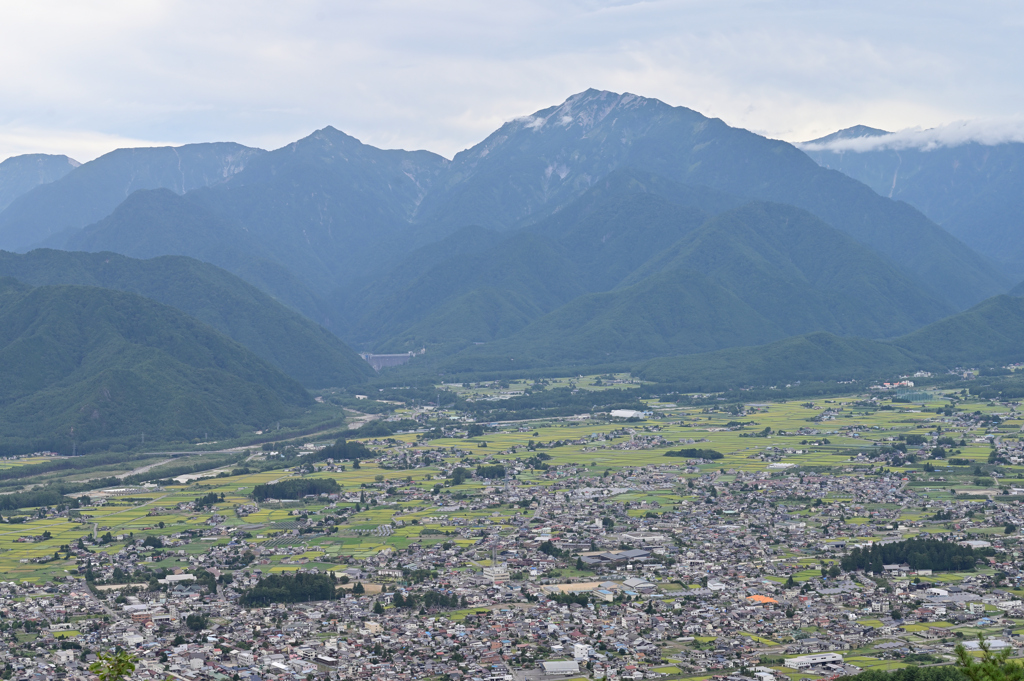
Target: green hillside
[(989, 333), (85, 365), (608, 239), (986, 335), (478, 285), (751, 275), (530, 274), (814, 357), (150, 223), (482, 314), (298, 347), (675, 312), (804, 275)]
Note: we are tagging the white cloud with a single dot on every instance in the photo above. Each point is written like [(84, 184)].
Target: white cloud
[(444, 74), (987, 132)]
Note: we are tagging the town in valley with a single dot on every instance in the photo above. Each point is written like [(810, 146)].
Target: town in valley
[(691, 537)]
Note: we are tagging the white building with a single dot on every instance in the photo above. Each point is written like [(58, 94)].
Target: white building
[(561, 668), (626, 414), (805, 661)]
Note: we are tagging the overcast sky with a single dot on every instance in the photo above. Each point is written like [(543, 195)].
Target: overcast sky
[(85, 78)]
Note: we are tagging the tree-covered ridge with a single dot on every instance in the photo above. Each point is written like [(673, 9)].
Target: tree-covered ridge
[(33, 498), (284, 338), (294, 488), (694, 453), (84, 365), (285, 588), (341, 450), (753, 274), (986, 335), (919, 554)]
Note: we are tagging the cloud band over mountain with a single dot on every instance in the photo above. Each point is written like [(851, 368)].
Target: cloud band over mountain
[(987, 132)]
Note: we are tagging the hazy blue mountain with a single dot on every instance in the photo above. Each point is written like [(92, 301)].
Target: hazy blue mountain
[(91, 191), (534, 165), (974, 191), (89, 365), (326, 210), (158, 222), (626, 219), (287, 340), (19, 174), (985, 335), (394, 250), (750, 275), (813, 357), (806, 276), (526, 273), (675, 312), (479, 285), (336, 212), (589, 246), (330, 208)]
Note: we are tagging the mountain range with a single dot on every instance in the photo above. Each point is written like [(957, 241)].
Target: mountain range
[(973, 190), (20, 174), (609, 229), (92, 190)]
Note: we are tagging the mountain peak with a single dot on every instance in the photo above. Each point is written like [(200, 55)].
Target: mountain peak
[(325, 138), (584, 109), (849, 133)]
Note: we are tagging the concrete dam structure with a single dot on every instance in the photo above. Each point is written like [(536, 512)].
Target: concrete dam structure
[(379, 362)]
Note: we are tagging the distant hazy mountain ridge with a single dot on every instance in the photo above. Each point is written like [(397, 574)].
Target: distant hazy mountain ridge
[(975, 190), (21, 174), (91, 191), (608, 228)]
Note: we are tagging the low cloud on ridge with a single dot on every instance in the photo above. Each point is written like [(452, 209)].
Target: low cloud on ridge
[(958, 133)]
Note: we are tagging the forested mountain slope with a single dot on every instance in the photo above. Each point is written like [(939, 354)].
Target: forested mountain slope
[(298, 347), (85, 365)]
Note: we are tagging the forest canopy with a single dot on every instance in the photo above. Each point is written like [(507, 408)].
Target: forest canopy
[(283, 588), (294, 488), (918, 554)]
